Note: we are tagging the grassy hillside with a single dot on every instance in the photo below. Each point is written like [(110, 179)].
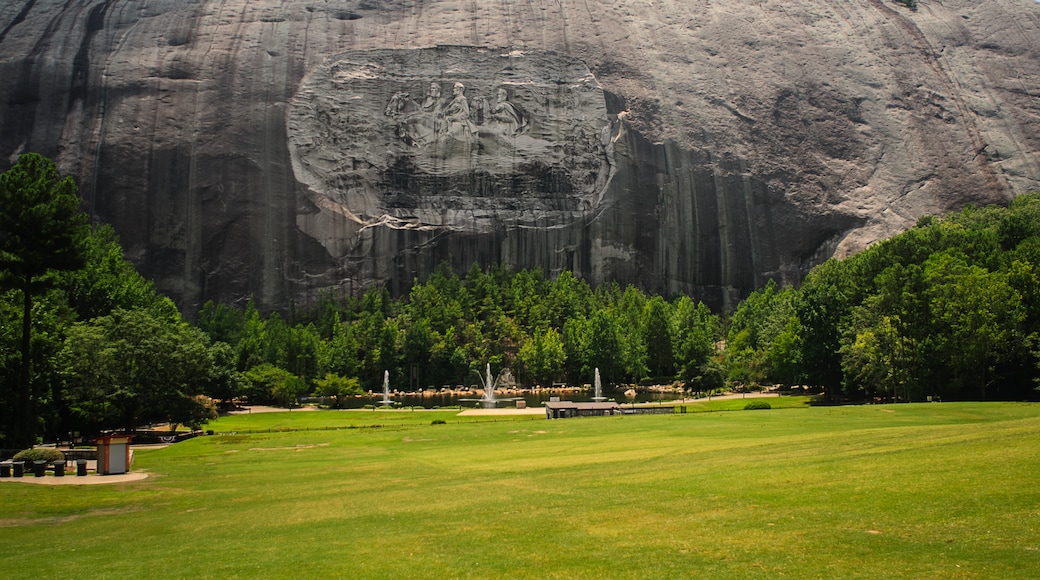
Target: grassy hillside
[(941, 490)]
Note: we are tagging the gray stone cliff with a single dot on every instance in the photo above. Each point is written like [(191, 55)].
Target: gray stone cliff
[(275, 147)]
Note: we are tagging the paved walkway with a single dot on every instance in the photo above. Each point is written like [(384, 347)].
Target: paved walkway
[(92, 477), (73, 479), (503, 411)]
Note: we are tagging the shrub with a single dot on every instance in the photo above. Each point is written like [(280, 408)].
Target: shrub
[(48, 455), (757, 405), (438, 422)]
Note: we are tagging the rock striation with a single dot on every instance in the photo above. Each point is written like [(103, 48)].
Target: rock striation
[(274, 148)]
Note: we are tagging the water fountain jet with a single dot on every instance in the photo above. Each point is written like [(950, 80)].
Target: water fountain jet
[(387, 401), (489, 400), (598, 392)]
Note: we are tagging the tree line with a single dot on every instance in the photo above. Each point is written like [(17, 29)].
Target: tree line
[(86, 343), (444, 332), (101, 349), (949, 309)]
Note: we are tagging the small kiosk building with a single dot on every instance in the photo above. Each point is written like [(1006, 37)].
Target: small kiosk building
[(113, 454)]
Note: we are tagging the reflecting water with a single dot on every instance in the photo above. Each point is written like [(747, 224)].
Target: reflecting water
[(533, 400)]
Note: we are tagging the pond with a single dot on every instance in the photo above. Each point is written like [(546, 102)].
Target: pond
[(431, 400)]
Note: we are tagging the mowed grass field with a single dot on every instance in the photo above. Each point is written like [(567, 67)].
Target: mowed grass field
[(944, 490)]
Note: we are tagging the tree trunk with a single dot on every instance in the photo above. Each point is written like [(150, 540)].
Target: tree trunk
[(24, 412)]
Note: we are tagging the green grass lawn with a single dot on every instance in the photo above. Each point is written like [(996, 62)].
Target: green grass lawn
[(890, 491), (346, 419)]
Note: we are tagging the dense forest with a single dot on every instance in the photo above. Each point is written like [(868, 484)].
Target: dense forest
[(448, 327), (949, 310)]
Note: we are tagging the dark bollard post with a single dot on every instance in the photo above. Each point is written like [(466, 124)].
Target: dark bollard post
[(5, 469), (59, 468), (81, 467), (39, 468), (19, 468)]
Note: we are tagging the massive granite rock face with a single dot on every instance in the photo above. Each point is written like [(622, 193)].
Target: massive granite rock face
[(273, 148)]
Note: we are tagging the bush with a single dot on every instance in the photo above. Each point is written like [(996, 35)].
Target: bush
[(757, 405), (48, 455), (438, 422)]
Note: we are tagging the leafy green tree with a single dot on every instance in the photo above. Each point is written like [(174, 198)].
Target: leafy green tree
[(712, 377), (486, 293), (222, 383), (328, 311), (446, 364), (251, 348), (527, 304), (41, 231), (567, 298), (751, 316), (261, 382), (440, 300), (389, 356), (289, 391), (195, 412), (222, 323), (90, 366), (825, 303), (51, 317), (877, 358), (978, 316), (745, 366), (543, 356), (764, 322), (340, 354), (696, 332), (950, 307), (337, 388), (784, 356), (107, 281), (657, 337), (576, 338), (135, 367), (301, 351), (604, 346)]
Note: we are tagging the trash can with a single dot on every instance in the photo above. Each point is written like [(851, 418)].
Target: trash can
[(59, 468), (19, 468), (39, 467), (5, 469), (81, 467)]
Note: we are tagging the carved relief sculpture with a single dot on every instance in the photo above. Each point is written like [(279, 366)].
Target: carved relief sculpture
[(511, 121), (524, 138)]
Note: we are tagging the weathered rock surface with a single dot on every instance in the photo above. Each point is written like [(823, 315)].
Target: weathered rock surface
[(272, 148)]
